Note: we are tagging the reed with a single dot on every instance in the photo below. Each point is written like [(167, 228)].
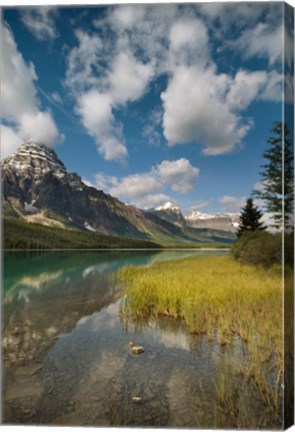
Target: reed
[(227, 301)]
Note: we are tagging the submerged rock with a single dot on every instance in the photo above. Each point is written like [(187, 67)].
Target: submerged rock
[(137, 399), (136, 349)]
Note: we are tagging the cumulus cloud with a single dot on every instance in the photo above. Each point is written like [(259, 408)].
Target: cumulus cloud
[(40, 21), (95, 110), (128, 78), (40, 127), (145, 189), (19, 103), (136, 44), (224, 17), (180, 175), (195, 111), (10, 141), (203, 106), (136, 185), (262, 41), (232, 204), (152, 201), (189, 41), (98, 91), (83, 62)]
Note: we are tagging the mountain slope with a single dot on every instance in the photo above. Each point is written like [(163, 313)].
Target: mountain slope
[(37, 187), (18, 234)]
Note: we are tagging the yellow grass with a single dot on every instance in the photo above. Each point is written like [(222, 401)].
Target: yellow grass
[(225, 300), (211, 294)]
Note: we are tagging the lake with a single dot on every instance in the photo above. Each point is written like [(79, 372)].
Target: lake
[(66, 354)]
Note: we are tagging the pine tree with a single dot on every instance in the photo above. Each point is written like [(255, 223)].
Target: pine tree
[(278, 197), (250, 218)]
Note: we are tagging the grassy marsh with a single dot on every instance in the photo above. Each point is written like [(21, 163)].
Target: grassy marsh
[(228, 302)]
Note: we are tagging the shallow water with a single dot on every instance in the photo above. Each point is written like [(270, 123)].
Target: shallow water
[(66, 355)]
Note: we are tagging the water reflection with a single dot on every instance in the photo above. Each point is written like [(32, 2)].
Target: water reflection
[(66, 354)]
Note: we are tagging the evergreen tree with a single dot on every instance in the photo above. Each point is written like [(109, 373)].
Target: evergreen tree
[(277, 194), (250, 218)]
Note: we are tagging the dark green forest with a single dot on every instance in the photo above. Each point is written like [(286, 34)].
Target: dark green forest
[(18, 234)]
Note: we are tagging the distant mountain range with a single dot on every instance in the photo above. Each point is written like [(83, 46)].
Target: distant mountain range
[(196, 219), (37, 188)]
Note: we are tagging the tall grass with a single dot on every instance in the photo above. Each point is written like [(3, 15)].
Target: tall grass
[(227, 301)]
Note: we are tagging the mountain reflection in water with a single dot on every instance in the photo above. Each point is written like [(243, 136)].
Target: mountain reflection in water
[(66, 355)]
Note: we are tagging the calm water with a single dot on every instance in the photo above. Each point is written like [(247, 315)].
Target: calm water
[(66, 354)]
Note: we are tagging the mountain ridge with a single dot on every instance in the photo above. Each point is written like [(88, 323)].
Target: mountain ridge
[(37, 187)]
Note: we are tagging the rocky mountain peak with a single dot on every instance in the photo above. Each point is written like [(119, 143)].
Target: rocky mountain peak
[(170, 213), (33, 158)]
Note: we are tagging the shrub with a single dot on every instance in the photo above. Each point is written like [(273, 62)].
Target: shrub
[(258, 248)]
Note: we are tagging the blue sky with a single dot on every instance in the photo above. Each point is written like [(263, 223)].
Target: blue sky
[(148, 102)]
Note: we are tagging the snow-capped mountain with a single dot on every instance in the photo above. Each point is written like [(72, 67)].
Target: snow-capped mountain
[(38, 188), (168, 205), (169, 212), (222, 221)]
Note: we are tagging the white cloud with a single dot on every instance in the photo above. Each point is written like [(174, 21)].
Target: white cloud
[(95, 110), (98, 90), (145, 189), (104, 182), (180, 175), (236, 15), (136, 186), (232, 204), (83, 62), (205, 107), (40, 21), (152, 201), (262, 41), (138, 43), (128, 78), (19, 103), (10, 141), (195, 110), (189, 41), (39, 127), (18, 93), (56, 97)]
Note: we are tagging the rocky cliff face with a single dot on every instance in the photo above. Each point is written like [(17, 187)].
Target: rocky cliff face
[(37, 187)]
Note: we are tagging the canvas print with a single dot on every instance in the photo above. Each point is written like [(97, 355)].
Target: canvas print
[(147, 166)]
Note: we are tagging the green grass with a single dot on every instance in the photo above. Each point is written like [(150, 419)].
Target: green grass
[(21, 235), (227, 301)]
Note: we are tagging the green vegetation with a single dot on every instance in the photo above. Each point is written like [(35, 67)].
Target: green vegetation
[(262, 248), (250, 218), (231, 303), (258, 248), (21, 235)]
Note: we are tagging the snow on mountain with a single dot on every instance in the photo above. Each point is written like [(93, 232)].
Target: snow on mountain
[(170, 213), (222, 221), (167, 206)]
